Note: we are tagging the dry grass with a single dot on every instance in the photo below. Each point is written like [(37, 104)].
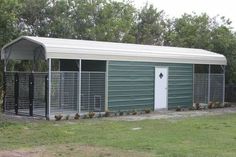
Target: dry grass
[(72, 150)]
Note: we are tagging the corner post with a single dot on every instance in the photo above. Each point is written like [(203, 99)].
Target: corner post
[(80, 68), (193, 83), (49, 86), (223, 99)]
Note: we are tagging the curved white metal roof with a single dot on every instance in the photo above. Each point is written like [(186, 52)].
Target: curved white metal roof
[(24, 47)]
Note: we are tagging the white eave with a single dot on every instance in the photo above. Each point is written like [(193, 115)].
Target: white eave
[(55, 48)]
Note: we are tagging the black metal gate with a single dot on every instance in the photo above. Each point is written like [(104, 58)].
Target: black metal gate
[(25, 93)]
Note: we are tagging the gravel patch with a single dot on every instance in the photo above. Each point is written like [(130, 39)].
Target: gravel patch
[(176, 115)]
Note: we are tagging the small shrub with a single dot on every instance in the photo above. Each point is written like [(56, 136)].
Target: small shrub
[(178, 108), (147, 111), (91, 114), (210, 105), (58, 117), (197, 106), (134, 112), (213, 105), (107, 113), (67, 117), (77, 116), (121, 113)]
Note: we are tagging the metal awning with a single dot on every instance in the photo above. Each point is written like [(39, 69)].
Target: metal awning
[(29, 48)]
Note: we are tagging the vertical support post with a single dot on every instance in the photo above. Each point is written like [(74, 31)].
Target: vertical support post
[(193, 82), (31, 93), (4, 87), (106, 86), (80, 97), (209, 83), (5, 65), (33, 65), (89, 91), (46, 97), (16, 94), (61, 90), (4, 92), (223, 100), (49, 86)]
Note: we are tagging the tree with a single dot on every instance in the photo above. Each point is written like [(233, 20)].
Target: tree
[(150, 26), (8, 20), (8, 24), (109, 20), (201, 31), (192, 31), (114, 22), (224, 42)]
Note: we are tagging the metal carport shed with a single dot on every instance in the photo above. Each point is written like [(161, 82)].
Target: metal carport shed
[(78, 76)]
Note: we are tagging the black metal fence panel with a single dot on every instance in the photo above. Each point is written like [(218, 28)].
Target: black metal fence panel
[(25, 93), (230, 93)]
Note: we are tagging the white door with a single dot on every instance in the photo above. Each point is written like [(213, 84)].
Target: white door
[(161, 87)]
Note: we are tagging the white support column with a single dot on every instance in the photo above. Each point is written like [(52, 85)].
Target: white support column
[(193, 81), (209, 83), (106, 86), (80, 68), (223, 100), (49, 85)]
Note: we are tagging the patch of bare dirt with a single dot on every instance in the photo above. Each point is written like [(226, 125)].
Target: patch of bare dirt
[(73, 150), (38, 152)]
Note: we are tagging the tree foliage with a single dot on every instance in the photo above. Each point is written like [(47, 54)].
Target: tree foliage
[(109, 20), (150, 26)]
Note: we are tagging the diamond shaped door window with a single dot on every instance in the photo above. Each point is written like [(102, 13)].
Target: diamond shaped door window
[(160, 75)]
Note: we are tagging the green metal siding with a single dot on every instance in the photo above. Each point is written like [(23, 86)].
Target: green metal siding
[(131, 85)]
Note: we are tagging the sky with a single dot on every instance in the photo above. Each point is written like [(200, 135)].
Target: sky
[(175, 8)]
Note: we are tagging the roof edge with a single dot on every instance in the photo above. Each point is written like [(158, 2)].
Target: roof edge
[(20, 38)]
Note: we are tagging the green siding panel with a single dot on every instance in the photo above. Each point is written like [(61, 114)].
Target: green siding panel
[(131, 85)]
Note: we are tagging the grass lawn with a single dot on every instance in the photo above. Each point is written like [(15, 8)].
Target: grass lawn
[(193, 137)]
